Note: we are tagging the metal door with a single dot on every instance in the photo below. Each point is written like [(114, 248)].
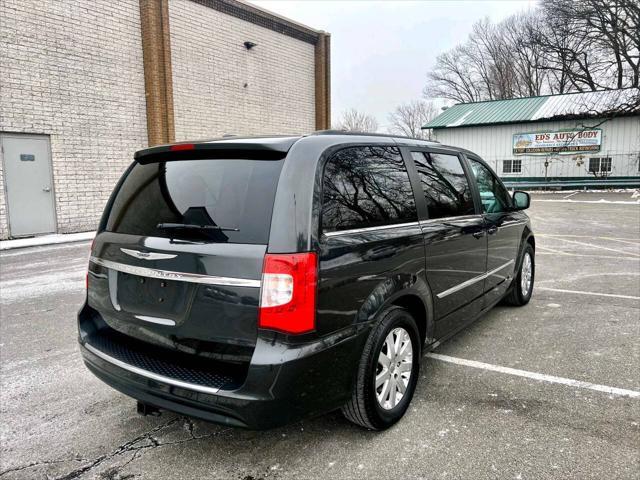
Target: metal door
[(455, 243), (28, 184)]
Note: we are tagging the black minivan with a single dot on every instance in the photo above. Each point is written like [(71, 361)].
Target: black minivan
[(254, 282)]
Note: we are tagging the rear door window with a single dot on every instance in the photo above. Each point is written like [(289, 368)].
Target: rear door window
[(234, 198), (366, 187), (445, 185)]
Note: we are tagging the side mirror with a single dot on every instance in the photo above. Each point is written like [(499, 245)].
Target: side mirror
[(521, 200)]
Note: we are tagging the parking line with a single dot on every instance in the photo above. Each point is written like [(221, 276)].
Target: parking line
[(626, 252), (551, 251), (571, 195), (580, 292), (599, 202), (535, 376), (615, 239)]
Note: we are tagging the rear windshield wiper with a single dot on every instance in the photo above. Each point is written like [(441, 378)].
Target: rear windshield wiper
[(192, 226)]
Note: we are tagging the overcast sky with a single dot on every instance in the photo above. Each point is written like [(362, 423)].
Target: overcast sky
[(382, 50)]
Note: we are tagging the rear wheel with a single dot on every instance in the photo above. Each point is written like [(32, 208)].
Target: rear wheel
[(387, 373), (523, 282)]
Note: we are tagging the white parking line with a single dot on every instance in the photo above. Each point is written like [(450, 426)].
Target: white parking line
[(579, 292), (589, 256), (600, 202), (550, 251), (571, 195), (584, 244), (536, 376), (592, 237)]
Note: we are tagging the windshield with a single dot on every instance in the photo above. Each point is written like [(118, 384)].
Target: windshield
[(234, 195)]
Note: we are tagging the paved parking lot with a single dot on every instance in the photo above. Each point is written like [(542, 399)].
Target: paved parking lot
[(551, 390)]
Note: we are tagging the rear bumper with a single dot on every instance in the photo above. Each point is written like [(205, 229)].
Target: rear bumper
[(284, 383)]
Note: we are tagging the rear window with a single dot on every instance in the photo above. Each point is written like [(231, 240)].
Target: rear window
[(235, 195)]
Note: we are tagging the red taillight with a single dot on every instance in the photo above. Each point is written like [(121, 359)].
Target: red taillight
[(182, 146), (288, 295)]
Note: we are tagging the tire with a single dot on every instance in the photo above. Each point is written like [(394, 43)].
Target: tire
[(520, 294), (364, 408)]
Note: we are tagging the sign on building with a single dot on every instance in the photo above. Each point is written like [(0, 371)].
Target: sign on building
[(542, 143)]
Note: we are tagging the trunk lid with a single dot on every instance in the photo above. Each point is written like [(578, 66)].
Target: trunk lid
[(179, 259)]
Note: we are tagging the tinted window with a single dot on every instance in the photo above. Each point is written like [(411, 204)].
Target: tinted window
[(366, 187), (234, 194), (493, 195), (445, 185)]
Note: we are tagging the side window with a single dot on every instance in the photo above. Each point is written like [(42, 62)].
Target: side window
[(366, 187), (493, 195), (445, 185)]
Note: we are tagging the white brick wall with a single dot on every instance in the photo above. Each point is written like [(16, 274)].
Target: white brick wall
[(72, 69), (211, 67)]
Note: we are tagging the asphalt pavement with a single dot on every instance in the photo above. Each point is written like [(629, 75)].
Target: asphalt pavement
[(550, 390)]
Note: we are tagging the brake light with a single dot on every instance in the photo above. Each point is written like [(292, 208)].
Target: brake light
[(288, 295), (182, 146), (86, 278)]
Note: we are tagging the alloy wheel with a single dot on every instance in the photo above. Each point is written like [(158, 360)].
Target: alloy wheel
[(526, 274), (394, 369)]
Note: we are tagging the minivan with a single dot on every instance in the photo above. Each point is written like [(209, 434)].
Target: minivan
[(255, 282)]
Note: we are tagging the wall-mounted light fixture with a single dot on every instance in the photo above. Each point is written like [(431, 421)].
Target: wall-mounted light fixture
[(249, 45)]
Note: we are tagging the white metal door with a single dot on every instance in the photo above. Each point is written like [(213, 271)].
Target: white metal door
[(28, 184)]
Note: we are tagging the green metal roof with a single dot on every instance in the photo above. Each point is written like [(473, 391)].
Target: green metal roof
[(500, 111), (533, 109)]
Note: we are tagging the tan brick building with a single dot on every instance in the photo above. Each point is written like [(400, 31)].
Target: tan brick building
[(85, 84)]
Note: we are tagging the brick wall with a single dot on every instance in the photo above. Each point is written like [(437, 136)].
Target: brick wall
[(73, 70), (221, 87)]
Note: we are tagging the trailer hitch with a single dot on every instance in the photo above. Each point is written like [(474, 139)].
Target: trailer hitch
[(145, 409)]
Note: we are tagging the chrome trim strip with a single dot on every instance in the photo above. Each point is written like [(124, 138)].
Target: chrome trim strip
[(370, 229), (148, 374), (448, 219), (473, 280), (158, 320), (511, 224), (179, 276)]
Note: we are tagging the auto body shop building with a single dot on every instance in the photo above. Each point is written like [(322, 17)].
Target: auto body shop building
[(85, 84), (571, 140)]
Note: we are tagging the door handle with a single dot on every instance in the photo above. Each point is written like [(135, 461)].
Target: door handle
[(492, 229), (479, 234), (46, 189)]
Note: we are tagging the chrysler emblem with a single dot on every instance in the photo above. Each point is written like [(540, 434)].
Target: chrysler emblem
[(147, 255)]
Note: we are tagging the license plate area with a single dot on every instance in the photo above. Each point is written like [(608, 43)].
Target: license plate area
[(155, 297)]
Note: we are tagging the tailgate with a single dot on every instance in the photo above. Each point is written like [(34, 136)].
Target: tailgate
[(173, 297)]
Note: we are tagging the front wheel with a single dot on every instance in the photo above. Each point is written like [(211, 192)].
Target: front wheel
[(523, 282), (387, 373)]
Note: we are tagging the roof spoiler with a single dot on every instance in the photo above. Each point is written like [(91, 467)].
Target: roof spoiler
[(224, 149)]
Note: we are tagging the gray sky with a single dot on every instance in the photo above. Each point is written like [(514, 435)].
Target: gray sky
[(382, 50)]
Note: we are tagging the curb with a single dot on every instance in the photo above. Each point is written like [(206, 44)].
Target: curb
[(46, 240)]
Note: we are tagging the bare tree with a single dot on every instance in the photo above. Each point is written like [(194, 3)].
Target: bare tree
[(563, 46), (451, 78), (354, 121), (601, 48), (407, 119)]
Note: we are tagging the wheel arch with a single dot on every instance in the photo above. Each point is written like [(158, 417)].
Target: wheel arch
[(412, 294), (416, 307)]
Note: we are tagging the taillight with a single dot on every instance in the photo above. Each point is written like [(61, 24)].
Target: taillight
[(86, 278), (288, 295)]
